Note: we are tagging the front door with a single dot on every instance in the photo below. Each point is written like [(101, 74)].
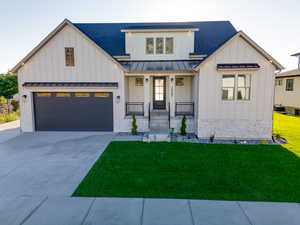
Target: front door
[(159, 93)]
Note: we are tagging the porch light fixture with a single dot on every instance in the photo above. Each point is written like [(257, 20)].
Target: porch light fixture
[(146, 79), (172, 79), (24, 96)]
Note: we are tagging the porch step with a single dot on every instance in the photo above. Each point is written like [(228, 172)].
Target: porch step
[(159, 124), (157, 137)]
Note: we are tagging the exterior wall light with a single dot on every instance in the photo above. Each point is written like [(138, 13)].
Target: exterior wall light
[(146, 79), (172, 79), (24, 97)]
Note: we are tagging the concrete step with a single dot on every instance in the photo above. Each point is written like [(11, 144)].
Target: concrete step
[(159, 124), (157, 137)]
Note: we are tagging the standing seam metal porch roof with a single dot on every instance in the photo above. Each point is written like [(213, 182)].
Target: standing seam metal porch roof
[(170, 65)]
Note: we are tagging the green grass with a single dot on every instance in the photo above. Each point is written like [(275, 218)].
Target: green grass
[(289, 128), (200, 171), (10, 117)]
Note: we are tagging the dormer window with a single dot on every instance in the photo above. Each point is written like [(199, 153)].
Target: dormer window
[(169, 45), (149, 46), (160, 44)]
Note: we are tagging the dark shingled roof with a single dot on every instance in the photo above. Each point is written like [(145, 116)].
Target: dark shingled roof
[(209, 38), (70, 84), (170, 65)]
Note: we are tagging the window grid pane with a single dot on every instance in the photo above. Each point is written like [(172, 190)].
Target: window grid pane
[(228, 87), (289, 85), (169, 45), (244, 84), (69, 55), (149, 46), (159, 45)]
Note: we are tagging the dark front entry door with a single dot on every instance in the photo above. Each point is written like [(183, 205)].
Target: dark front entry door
[(159, 93), (73, 111)]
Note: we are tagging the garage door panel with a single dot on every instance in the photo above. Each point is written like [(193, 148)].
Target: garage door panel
[(73, 113)]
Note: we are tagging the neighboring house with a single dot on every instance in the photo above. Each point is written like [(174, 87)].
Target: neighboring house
[(287, 90), (93, 77)]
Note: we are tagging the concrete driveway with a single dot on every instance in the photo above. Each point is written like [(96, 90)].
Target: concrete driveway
[(47, 163)]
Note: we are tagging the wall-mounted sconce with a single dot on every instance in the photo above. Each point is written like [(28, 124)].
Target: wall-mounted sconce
[(24, 97), (146, 79), (172, 79), (118, 98)]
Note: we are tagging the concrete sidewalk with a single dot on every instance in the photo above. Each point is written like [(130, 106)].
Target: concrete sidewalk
[(137, 211)]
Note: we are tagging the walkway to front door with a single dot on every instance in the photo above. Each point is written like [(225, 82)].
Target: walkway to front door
[(159, 93)]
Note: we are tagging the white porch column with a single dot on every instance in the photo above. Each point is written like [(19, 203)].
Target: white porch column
[(172, 95), (146, 94)]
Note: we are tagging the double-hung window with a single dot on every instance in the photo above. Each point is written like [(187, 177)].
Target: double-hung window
[(236, 86), (169, 45), (228, 83), (159, 46), (289, 85), (69, 56), (243, 90), (149, 46)]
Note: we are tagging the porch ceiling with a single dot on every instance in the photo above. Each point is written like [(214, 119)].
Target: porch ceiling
[(170, 65)]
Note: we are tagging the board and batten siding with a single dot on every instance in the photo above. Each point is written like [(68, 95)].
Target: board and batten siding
[(288, 98), (236, 119), (135, 93), (91, 65), (135, 44)]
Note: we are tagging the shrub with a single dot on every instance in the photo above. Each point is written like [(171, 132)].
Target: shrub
[(134, 125), (183, 126), (10, 117)]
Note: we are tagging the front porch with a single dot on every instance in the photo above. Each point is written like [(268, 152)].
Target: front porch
[(161, 99)]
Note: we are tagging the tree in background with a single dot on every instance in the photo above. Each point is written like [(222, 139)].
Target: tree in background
[(8, 86)]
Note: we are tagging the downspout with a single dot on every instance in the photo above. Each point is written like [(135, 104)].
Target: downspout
[(276, 72)]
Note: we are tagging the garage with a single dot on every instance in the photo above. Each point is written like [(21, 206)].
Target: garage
[(73, 111)]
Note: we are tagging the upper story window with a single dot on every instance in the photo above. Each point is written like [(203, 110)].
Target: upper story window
[(69, 56), (289, 85), (229, 89), (149, 46), (160, 44), (169, 45)]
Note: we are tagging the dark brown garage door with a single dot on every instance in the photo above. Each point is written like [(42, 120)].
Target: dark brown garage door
[(73, 111)]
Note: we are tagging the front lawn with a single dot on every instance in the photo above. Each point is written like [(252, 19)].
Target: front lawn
[(197, 171)]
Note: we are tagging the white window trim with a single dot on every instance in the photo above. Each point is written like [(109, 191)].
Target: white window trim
[(164, 47), (235, 91)]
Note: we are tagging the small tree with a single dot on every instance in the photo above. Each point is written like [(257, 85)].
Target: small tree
[(133, 125), (183, 126)]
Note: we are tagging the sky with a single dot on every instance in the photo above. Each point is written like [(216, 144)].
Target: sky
[(273, 24)]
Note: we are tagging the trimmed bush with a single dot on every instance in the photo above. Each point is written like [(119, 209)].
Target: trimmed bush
[(134, 125), (183, 126)]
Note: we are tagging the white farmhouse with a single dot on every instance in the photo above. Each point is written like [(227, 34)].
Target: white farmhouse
[(287, 90), (93, 77)]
